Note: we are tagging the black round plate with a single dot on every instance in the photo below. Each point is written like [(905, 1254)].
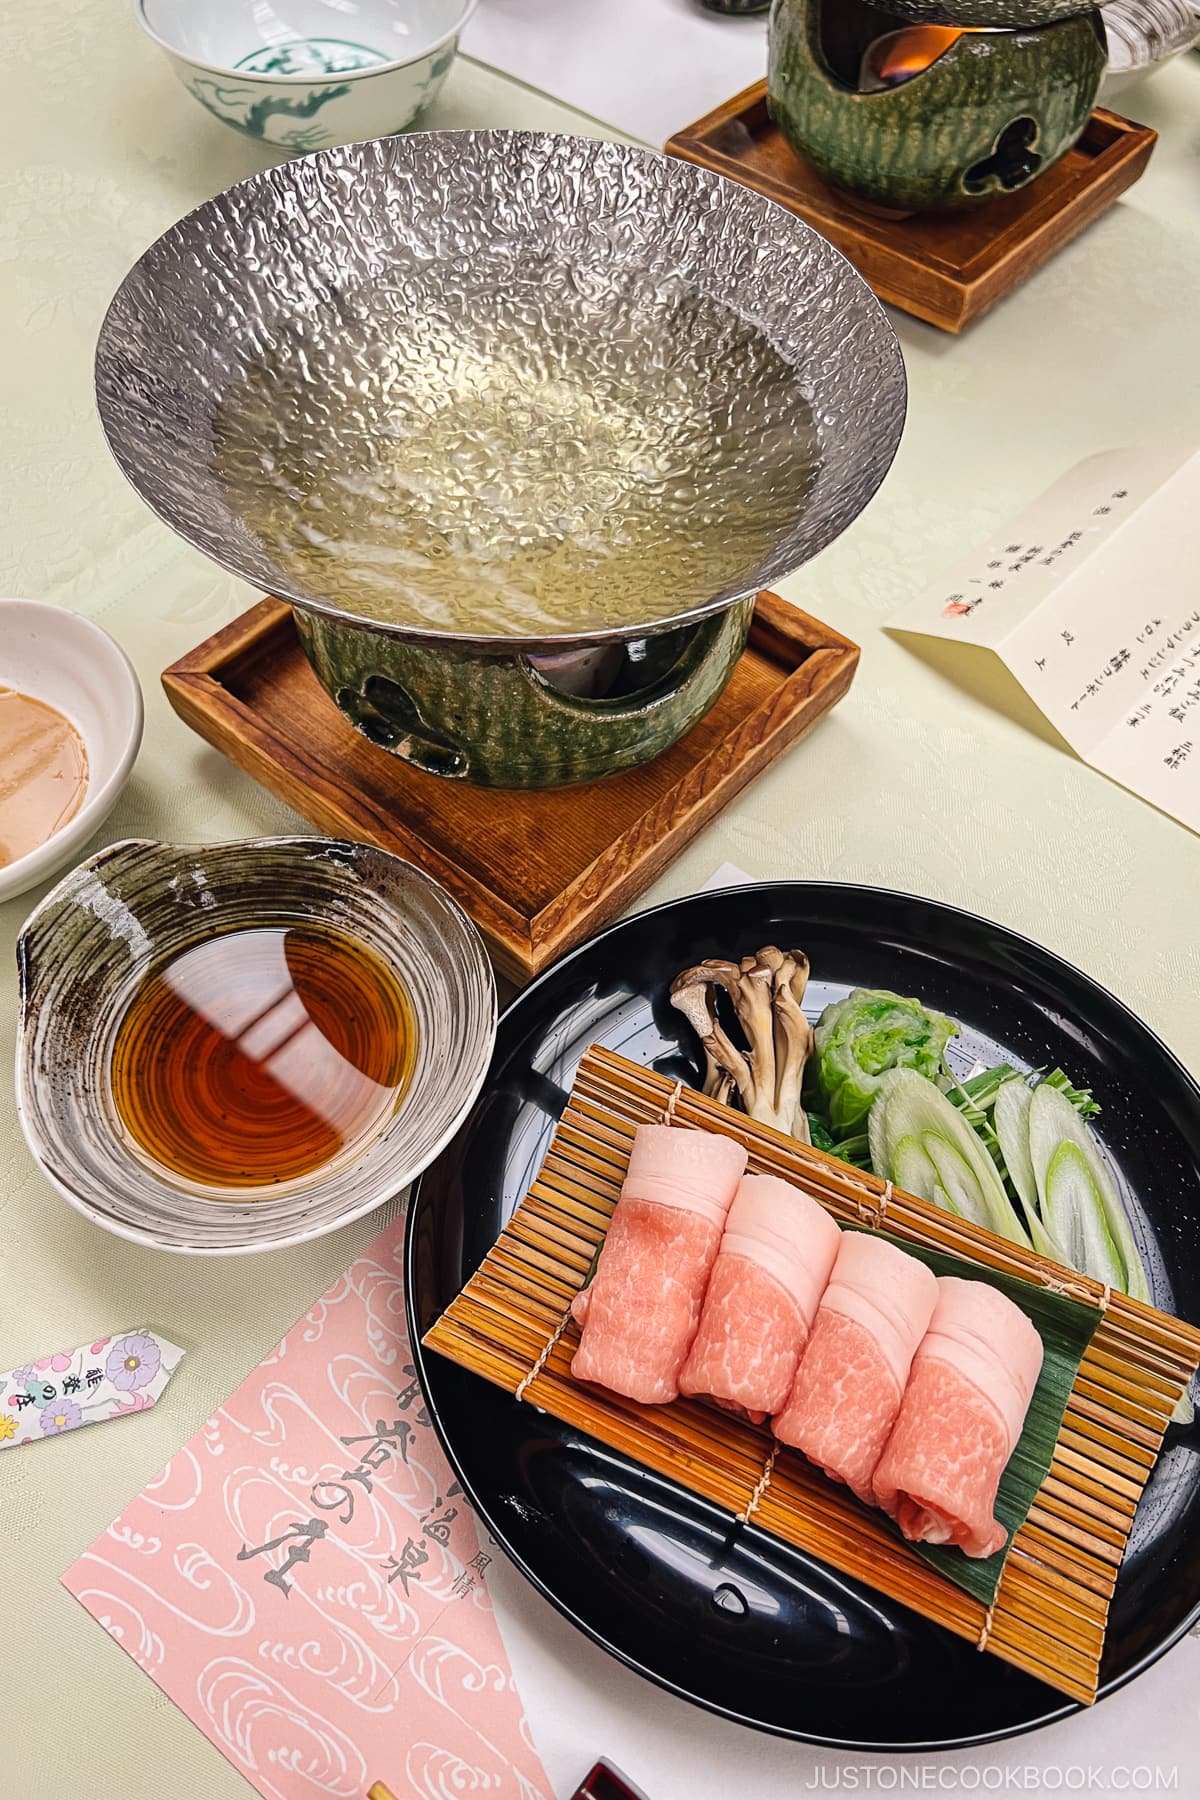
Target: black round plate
[(731, 1618)]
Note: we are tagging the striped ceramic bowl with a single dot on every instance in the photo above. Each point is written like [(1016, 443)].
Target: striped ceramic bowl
[(86, 951), (1143, 36)]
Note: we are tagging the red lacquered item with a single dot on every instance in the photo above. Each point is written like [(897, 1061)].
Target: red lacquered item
[(603, 1783)]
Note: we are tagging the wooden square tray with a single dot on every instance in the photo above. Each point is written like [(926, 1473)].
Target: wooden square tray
[(537, 871), (946, 268)]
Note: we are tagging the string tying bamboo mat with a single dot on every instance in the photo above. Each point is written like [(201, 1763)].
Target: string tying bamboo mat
[(512, 1325)]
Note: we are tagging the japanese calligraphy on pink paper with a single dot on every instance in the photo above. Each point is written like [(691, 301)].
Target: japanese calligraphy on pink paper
[(306, 1581), (108, 1379)]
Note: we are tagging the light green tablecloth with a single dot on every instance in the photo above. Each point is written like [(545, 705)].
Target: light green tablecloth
[(930, 777)]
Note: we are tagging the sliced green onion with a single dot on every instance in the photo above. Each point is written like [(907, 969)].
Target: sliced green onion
[(912, 1169), (1077, 1198), (913, 1112), (1080, 1098), (1074, 1212), (983, 1089), (1011, 1120)]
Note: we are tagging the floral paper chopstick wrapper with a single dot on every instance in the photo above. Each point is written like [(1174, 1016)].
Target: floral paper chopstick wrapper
[(105, 1380)]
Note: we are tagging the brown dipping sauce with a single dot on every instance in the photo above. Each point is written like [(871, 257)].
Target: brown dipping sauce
[(262, 1055), (43, 774)]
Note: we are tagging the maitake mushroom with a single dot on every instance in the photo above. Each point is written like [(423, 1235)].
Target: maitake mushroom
[(767, 992)]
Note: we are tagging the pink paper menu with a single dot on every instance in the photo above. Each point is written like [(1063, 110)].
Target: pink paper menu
[(306, 1581)]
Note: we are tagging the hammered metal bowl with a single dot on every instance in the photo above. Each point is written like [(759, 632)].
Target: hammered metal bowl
[(332, 285), (400, 383)]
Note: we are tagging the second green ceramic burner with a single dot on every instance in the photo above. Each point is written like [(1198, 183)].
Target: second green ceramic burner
[(921, 118)]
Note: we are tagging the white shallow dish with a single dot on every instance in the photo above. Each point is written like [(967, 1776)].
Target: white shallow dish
[(309, 73), (69, 663)]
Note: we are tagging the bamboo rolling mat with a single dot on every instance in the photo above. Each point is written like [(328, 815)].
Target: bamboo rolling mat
[(512, 1325)]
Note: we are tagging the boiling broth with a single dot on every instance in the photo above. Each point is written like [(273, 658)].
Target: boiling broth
[(566, 449), (262, 1055)]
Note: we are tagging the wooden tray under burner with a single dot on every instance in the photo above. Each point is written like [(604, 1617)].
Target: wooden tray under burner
[(537, 871), (945, 268)]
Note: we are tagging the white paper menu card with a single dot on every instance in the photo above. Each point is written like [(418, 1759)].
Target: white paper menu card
[(1092, 600)]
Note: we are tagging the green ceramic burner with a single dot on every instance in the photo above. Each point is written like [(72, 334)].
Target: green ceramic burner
[(990, 13), (526, 721), (990, 113)]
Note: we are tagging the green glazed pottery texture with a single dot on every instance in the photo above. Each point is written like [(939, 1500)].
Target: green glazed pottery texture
[(998, 14), (86, 949), (985, 119), (505, 721)]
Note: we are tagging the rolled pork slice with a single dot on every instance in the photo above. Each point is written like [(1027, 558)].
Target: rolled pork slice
[(643, 1303), (774, 1263), (848, 1387), (972, 1379)]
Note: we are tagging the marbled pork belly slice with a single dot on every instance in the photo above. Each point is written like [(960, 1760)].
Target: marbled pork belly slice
[(771, 1270), (643, 1303), (972, 1379), (851, 1377)]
